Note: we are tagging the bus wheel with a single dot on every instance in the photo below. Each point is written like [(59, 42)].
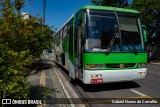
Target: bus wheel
[(56, 57), (63, 59), (73, 82)]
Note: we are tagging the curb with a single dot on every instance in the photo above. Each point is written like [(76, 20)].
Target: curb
[(154, 63), (69, 91), (64, 89)]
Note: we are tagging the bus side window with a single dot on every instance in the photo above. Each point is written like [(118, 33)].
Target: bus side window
[(68, 28), (61, 34), (75, 34), (70, 47), (65, 32)]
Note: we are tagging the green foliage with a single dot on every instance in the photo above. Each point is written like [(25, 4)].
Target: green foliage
[(150, 13), (21, 40), (115, 3)]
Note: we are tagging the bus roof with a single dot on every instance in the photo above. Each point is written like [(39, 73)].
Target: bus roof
[(109, 8), (101, 8)]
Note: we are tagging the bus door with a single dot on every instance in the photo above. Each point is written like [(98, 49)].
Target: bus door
[(78, 47)]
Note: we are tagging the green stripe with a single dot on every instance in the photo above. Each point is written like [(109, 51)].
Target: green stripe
[(101, 58)]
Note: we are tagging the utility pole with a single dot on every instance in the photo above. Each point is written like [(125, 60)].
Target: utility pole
[(44, 11)]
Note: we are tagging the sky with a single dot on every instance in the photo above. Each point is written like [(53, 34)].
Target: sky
[(57, 11)]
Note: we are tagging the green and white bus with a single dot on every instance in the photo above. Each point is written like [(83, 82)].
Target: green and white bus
[(102, 44)]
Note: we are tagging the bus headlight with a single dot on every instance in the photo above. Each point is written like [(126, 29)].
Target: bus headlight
[(142, 65), (94, 66)]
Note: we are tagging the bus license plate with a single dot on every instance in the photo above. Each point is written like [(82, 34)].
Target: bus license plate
[(97, 80)]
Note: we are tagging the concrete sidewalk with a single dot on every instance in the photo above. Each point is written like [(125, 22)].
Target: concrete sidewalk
[(50, 85), (156, 62)]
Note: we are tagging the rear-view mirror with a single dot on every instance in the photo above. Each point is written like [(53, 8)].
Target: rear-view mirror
[(144, 33)]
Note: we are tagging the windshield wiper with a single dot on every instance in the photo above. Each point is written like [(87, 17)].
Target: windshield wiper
[(116, 35), (134, 49)]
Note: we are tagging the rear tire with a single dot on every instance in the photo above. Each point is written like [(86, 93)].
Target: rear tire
[(63, 59)]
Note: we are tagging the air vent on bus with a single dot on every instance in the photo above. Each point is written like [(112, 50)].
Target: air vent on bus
[(126, 65)]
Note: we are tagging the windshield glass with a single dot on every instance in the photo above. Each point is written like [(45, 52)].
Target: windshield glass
[(101, 30), (130, 32)]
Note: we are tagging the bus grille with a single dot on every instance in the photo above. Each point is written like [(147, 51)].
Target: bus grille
[(127, 65)]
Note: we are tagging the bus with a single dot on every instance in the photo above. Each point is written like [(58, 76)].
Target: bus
[(100, 44)]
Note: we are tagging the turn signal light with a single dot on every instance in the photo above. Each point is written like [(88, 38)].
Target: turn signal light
[(141, 73), (142, 65)]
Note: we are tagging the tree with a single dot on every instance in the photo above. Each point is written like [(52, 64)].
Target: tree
[(150, 13), (21, 40), (115, 3)]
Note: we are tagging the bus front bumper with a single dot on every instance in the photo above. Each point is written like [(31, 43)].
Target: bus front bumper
[(108, 76)]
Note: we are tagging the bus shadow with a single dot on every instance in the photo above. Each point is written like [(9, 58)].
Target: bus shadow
[(107, 86), (62, 68)]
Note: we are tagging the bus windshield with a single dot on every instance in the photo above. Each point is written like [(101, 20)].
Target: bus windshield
[(101, 30)]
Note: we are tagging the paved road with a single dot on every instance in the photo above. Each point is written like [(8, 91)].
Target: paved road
[(147, 88)]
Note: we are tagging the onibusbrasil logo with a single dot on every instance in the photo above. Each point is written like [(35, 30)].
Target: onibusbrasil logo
[(13, 101)]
